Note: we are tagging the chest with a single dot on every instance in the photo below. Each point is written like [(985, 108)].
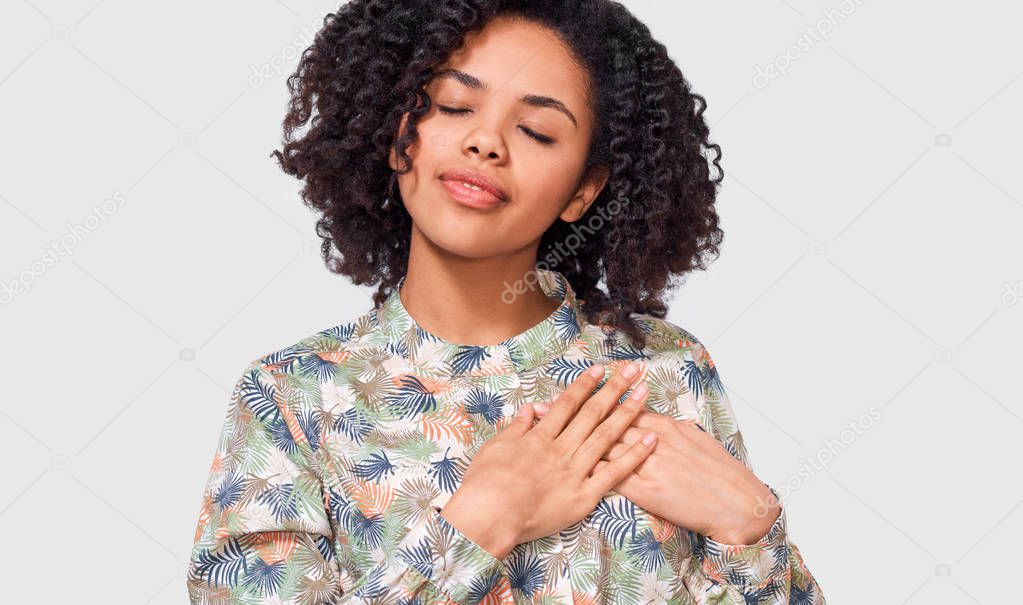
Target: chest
[(395, 443)]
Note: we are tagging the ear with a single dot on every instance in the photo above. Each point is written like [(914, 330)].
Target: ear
[(392, 155), (592, 184)]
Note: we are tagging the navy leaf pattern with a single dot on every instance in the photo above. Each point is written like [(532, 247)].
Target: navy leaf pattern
[(280, 500), (221, 568), (467, 359), (337, 455), (375, 467), (260, 397), (413, 397), (487, 404), (615, 518)]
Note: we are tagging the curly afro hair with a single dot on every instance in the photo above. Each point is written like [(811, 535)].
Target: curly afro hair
[(369, 64)]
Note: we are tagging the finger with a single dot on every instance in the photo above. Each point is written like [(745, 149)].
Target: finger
[(521, 422), (616, 450), (625, 484), (693, 423), (568, 401), (666, 437), (609, 431), (607, 475), (597, 408), (636, 472)]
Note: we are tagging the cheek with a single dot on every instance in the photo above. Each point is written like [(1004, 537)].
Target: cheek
[(544, 184)]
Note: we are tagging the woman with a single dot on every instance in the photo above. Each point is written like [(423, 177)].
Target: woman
[(487, 163)]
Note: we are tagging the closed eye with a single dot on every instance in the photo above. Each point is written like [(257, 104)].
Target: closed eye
[(540, 138)]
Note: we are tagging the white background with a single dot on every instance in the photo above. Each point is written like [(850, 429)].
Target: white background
[(872, 210)]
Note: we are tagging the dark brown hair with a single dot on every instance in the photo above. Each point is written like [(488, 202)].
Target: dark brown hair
[(369, 64)]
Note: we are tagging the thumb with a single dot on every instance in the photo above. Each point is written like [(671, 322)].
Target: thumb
[(523, 419)]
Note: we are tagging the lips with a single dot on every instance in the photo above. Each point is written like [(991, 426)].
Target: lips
[(487, 184)]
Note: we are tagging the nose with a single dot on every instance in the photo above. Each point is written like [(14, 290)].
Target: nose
[(485, 142)]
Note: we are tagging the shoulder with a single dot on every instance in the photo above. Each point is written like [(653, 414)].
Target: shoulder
[(664, 339), (316, 356)]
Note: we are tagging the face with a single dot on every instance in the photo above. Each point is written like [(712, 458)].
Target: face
[(513, 107)]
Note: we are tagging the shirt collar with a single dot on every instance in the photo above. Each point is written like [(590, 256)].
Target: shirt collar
[(538, 344)]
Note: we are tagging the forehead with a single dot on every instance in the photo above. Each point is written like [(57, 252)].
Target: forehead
[(517, 57)]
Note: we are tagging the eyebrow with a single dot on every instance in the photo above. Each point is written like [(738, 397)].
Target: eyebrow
[(532, 100)]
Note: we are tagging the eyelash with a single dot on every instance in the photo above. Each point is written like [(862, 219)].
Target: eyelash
[(539, 138)]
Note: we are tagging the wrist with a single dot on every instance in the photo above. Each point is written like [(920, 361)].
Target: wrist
[(495, 537), (751, 523)]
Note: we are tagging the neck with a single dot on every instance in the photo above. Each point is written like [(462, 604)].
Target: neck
[(474, 301)]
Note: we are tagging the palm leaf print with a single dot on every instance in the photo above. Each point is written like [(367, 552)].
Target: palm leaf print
[(284, 359), (713, 379), (414, 500), (282, 436), (450, 423), (627, 351), (314, 365), (564, 371), (692, 375), (487, 587), (205, 515), (341, 332), (369, 529), (667, 388), (798, 596), (663, 530), (413, 397), (223, 567), (525, 572), (259, 396), (646, 550), (615, 518), (373, 499), (375, 467), (340, 509), (281, 500), (230, 491), (392, 415), (371, 588), (275, 546), (354, 425), (399, 348), (369, 395), (487, 404), (468, 358), (266, 577), (420, 557), (309, 423), (565, 323), (448, 472), (325, 548)]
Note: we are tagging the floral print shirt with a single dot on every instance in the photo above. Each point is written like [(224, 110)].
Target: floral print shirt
[(338, 452)]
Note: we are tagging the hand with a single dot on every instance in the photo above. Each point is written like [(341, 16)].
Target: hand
[(692, 481), (531, 481)]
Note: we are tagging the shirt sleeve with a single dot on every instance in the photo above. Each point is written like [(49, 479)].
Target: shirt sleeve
[(264, 534), (770, 571)]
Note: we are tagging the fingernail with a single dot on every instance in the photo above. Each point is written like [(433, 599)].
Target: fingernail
[(596, 370), (542, 408), (521, 411), (630, 370), (640, 391), (649, 439)]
